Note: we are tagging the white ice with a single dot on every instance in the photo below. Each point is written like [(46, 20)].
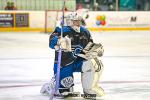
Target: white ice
[(26, 63)]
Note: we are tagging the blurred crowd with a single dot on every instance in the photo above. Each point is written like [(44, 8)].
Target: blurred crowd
[(10, 6), (92, 5)]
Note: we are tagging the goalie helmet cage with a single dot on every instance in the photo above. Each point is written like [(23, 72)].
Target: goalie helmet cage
[(52, 19)]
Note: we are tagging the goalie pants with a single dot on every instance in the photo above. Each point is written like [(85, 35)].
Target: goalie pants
[(66, 73), (90, 74)]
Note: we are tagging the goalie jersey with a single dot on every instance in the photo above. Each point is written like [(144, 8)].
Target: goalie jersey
[(78, 42)]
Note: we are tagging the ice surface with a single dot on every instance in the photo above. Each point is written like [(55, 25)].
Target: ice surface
[(26, 62)]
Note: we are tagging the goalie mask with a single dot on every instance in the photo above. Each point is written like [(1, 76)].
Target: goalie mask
[(73, 20)]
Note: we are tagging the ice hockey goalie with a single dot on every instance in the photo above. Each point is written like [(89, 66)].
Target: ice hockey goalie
[(82, 55)]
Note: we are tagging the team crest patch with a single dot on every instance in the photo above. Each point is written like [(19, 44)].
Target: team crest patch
[(67, 82)]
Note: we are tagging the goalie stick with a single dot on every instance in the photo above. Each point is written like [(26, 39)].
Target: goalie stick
[(59, 56)]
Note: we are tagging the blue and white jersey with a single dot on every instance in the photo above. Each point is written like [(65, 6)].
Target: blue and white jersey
[(78, 42)]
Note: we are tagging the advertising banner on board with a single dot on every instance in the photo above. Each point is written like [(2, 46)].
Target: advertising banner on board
[(6, 20)]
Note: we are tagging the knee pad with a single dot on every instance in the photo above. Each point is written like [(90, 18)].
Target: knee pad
[(67, 82)]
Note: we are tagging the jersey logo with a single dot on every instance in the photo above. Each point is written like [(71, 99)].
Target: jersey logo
[(76, 50), (67, 82)]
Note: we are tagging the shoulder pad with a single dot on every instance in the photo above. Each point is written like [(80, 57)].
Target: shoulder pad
[(83, 29), (66, 29)]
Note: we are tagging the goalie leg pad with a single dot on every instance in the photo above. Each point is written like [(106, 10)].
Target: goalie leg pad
[(91, 71)]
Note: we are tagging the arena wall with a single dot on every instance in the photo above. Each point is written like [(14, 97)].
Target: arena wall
[(97, 21)]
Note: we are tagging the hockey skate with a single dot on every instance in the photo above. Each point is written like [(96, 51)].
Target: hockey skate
[(66, 93)]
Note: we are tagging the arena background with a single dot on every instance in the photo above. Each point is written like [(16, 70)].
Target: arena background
[(26, 61)]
